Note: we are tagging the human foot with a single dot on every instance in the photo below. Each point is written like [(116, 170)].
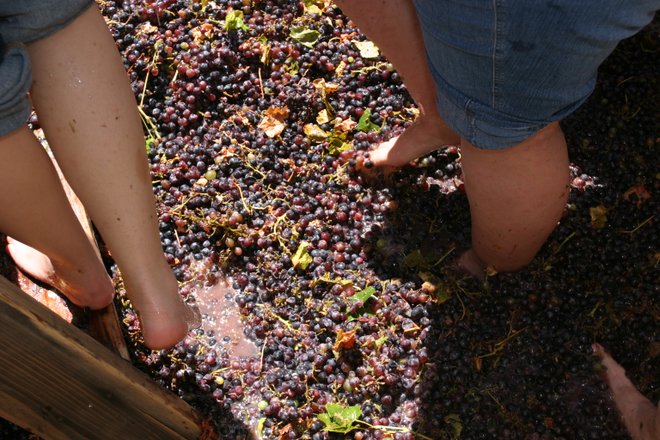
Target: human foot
[(165, 319), (427, 134), (641, 417), (165, 328), (470, 263), (79, 286)]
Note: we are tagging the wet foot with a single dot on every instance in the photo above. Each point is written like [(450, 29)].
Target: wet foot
[(165, 318), (164, 329), (427, 134), (639, 415), (74, 283)]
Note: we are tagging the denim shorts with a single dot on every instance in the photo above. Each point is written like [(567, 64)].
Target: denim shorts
[(504, 69), (22, 22)]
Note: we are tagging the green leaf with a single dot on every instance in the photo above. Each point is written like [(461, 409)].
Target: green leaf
[(380, 341), (441, 296), (149, 143), (337, 146), (364, 294), (260, 427), (415, 259), (365, 124), (311, 7), (302, 259), (340, 418), (454, 420), (234, 21), (336, 280), (367, 49), (306, 37)]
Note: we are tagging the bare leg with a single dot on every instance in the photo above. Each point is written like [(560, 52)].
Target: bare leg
[(405, 49), (641, 417), (36, 211), (517, 196), (90, 119)]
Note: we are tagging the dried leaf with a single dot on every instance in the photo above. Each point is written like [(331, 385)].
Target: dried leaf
[(283, 433), (301, 258), (273, 121), (147, 28), (367, 49), (202, 32), (341, 67), (322, 117), (345, 126), (324, 87), (598, 216), (641, 193), (344, 341), (331, 87), (314, 132)]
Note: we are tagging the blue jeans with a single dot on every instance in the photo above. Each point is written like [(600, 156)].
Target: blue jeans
[(22, 22), (504, 69)]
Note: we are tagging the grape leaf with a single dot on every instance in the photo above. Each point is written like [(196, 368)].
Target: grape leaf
[(322, 117), (234, 21), (598, 216), (344, 340), (364, 294), (454, 420), (314, 132), (273, 121), (415, 259), (380, 341), (340, 419), (365, 124), (344, 126), (337, 146), (311, 7), (149, 143), (304, 36), (301, 259), (367, 49)]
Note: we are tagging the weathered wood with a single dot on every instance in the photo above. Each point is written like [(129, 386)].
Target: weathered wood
[(60, 383)]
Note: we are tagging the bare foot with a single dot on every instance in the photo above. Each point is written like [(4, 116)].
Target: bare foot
[(81, 287), (427, 134), (640, 416), (470, 263), (164, 329), (164, 317)]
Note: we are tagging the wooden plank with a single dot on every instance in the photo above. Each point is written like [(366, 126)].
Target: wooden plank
[(60, 383)]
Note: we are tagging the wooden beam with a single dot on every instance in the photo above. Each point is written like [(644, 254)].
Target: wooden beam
[(59, 383)]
